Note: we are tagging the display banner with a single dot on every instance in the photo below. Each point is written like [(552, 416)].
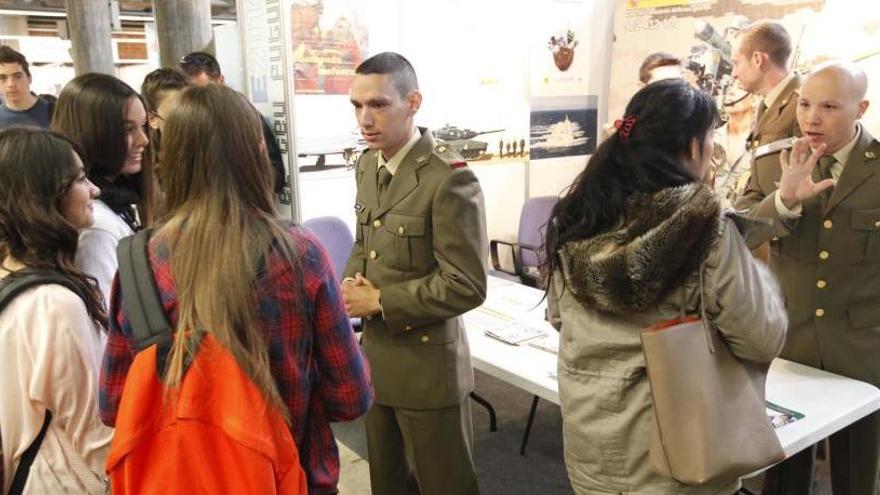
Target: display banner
[(263, 24)]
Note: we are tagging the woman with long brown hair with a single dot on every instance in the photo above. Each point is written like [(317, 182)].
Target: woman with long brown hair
[(265, 290), (51, 336), (108, 120)]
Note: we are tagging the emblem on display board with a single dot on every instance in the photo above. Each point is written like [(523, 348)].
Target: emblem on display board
[(562, 47)]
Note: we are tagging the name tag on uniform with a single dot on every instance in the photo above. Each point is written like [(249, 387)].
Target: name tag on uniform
[(358, 207)]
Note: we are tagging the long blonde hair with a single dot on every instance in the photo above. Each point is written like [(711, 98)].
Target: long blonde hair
[(220, 228)]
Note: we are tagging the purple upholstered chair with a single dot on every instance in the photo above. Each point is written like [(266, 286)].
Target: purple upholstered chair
[(338, 241), (526, 250), (527, 256), (336, 238)]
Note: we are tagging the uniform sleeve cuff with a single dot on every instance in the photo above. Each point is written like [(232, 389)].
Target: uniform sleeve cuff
[(785, 212)]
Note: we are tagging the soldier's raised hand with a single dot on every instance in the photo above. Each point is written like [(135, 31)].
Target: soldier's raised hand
[(796, 184)]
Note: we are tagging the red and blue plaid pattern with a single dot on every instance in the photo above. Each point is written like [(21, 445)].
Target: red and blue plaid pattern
[(317, 364)]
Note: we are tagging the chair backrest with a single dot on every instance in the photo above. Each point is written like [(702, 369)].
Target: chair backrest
[(532, 227), (336, 238)]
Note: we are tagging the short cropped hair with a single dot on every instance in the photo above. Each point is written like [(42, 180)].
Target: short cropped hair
[(402, 72), (769, 37), (654, 60), (160, 80), (197, 62), (10, 56)]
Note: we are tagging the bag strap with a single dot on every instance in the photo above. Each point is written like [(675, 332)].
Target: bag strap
[(703, 317), (143, 306), (149, 325), (14, 284), (27, 459), (707, 326), (17, 282)]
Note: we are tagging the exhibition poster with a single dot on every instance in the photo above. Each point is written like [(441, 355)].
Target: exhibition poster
[(329, 41), (562, 126), (701, 32)]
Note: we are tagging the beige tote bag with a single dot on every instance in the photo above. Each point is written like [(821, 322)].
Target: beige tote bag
[(710, 421)]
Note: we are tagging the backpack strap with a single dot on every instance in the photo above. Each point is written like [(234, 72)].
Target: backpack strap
[(17, 282), (11, 286), (27, 459), (149, 325)]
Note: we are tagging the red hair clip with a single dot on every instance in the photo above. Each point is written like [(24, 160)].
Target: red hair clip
[(625, 126)]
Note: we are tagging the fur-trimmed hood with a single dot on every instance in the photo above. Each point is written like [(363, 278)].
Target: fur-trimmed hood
[(665, 237)]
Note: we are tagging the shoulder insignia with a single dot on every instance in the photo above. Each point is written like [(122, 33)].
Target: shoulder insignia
[(457, 164), (774, 147), (448, 154)]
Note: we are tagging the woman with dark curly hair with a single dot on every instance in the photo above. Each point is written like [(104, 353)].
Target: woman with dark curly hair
[(52, 337)]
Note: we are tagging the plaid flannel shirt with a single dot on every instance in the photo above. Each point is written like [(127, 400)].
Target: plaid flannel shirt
[(318, 366)]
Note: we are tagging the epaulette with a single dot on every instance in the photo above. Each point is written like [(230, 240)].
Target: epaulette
[(774, 147), (449, 156)]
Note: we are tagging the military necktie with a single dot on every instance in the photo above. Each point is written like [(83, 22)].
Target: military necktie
[(825, 164), (824, 169), (752, 139), (383, 179)]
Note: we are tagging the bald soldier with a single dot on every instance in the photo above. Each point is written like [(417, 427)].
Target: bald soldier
[(825, 249)]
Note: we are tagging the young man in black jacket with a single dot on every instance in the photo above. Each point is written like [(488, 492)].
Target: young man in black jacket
[(202, 68)]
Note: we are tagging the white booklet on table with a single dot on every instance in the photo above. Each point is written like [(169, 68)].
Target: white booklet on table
[(515, 333)]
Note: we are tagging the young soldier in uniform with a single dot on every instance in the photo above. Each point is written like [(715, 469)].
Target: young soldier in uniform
[(760, 63), (826, 253), (418, 263)]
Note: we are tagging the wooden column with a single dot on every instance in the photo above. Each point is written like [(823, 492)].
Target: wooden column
[(182, 27), (88, 22)]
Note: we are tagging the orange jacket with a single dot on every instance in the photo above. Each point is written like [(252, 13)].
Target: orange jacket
[(217, 434)]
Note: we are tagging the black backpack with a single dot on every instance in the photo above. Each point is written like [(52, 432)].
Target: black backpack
[(11, 286)]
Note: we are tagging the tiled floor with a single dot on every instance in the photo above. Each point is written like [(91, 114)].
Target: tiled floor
[(354, 475), (500, 468)]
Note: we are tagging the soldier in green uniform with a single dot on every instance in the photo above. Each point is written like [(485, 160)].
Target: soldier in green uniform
[(825, 249), (760, 63), (418, 263)]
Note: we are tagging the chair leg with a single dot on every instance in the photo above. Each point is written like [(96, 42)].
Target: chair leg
[(493, 424), (522, 449)]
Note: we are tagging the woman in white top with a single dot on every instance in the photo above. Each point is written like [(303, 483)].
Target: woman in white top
[(108, 120), (51, 338)]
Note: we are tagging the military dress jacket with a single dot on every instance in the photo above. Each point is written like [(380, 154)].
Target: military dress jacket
[(776, 123), (425, 249), (828, 264)]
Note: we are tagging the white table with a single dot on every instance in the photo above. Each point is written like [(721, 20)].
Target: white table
[(828, 402)]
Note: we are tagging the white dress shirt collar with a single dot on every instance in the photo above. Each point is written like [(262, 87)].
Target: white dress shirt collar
[(394, 162)]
